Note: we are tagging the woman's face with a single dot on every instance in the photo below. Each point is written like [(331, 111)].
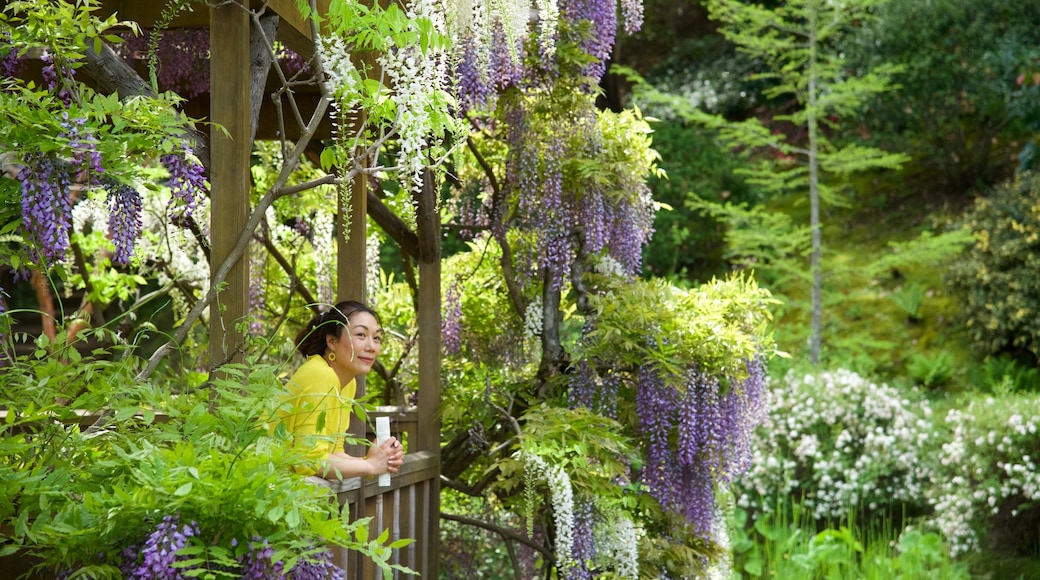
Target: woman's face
[(359, 344)]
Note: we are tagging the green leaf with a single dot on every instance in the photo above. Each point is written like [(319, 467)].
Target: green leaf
[(183, 490), (275, 513)]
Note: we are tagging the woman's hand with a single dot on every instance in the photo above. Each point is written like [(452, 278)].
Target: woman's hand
[(385, 457)]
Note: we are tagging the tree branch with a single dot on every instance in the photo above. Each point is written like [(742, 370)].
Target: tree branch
[(113, 75), (274, 193), (506, 533)]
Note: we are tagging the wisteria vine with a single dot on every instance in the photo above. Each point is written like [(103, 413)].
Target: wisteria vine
[(694, 436)]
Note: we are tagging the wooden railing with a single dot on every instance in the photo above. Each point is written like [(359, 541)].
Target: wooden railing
[(408, 507), (405, 508)]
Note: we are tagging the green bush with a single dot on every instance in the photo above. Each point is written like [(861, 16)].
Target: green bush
[(959, 109), (788, 544), (1004, 375), (998, 275), (931, 371), (172, 468)]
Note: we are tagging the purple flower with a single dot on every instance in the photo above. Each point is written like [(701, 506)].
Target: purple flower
[(46, 205), (124, 221), (257, 295), (155, 561), (187, 179), (183, 52), (318, 567), (599, 42), (257, 563), (451, 321), (10, 62), (58, 82)]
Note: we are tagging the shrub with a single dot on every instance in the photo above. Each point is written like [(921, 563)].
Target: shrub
[(173, 474), (789, 544), (998, 275), (958, 108), (1003, 375), (931, 371), (838, 441), (986, 479)]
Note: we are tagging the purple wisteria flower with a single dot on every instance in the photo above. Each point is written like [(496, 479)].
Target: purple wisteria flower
[(124, 221), (451, 321), (187, 179), (319, 567), (57, 81), (257, 293), (184, 53), (602, 16), (712, 429), (156, 559), (257, 563), (10, 62), (46, 205)]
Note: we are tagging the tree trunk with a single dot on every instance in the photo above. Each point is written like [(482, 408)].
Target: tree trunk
[(814, 201)]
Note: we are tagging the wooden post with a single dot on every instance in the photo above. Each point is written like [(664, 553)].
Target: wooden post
[(351, 268), (429, 321), (229, 171)]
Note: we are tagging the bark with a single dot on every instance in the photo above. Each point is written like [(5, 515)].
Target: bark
[(262, 29), (112, 74), (46, 302)]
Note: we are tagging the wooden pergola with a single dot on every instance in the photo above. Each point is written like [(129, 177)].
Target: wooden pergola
[(410, 507)]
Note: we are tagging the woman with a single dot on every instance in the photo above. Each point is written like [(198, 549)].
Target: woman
[(339, 345)]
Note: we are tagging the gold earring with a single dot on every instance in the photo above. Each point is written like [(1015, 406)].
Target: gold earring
[(332, 357)]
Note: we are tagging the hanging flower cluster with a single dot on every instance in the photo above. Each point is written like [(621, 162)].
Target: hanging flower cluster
[(711, 429), (607, 214), (561, 495), (187, 180)]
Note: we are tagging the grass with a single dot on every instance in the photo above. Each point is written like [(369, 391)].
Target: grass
[(788, 544), (877, 323)]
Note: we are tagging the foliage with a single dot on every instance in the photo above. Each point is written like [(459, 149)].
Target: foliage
[(839, 441), (402, 84), (84, 493), (986, 484), (1000, 375), (687, 246), (707, 73), (786, 543), (958, 109), (909, 299), (931, 370), (800, 46), (61, 130), (767, 242), (997, 277)]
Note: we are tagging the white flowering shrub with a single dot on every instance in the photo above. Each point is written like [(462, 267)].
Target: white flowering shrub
[(837, 440), (986, 476)]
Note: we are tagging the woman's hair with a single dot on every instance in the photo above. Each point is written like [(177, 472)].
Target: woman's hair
[(313, 338)]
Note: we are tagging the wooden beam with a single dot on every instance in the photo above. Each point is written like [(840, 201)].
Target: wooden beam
[(229, 171), (296, 34)]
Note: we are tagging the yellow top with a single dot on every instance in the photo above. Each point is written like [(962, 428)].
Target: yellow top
[(316, 406)]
